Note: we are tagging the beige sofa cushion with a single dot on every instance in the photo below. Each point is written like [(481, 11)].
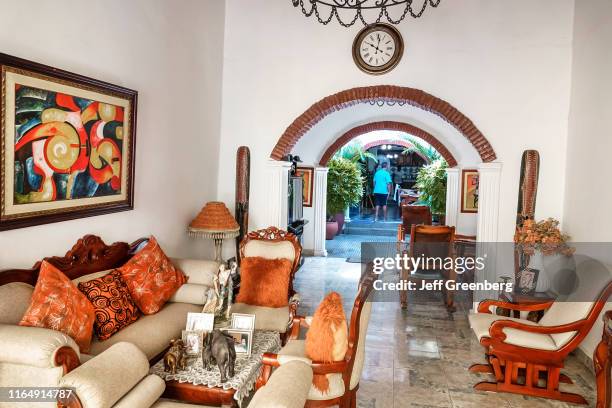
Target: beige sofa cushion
[(15, 298), (266, 318), (200, 271), (144, 394), (481, 322), (151, 333), (193, 293)]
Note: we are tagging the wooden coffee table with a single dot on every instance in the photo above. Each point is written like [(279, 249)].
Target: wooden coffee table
[(197, 385)]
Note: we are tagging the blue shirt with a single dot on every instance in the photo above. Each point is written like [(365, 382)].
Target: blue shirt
[(381, 180)]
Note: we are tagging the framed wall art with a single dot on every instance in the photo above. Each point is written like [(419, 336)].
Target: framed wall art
[(67, 145), (469, 191), (307, 174)]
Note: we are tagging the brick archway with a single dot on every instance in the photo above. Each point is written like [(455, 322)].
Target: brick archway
[(385, 93), (388, 125)]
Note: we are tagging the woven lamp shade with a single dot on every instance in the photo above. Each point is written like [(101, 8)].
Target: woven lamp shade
[(214, 221)]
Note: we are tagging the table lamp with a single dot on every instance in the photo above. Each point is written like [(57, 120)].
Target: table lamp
[(214, 222)]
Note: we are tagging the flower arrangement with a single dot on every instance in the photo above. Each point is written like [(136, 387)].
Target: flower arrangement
[(543, 236)]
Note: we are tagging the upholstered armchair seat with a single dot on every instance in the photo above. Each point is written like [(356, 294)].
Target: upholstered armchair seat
[(267, 318), (481, 322)]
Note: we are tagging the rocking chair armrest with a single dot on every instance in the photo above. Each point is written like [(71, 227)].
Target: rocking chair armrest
[(497, 328), (485, 305)]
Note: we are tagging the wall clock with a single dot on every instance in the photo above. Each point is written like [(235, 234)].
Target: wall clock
[(378, 48)]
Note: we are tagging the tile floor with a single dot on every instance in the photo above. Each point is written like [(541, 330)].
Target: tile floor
[(419, 357)]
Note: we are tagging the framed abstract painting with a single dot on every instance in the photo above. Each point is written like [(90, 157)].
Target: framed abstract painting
[(307, 174), (469, 191), (67, 145)]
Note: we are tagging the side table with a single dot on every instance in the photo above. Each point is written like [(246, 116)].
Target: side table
[(521, 299)]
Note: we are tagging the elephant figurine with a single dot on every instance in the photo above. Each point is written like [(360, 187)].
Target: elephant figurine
[(175, 358), (219, 350)]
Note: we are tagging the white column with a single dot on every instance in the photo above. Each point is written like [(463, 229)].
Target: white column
[(320, 210), (453, 183), (277, 198), (489, 181)]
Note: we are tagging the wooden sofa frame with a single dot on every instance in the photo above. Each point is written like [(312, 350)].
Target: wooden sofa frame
[(507, 361), (602, 360)]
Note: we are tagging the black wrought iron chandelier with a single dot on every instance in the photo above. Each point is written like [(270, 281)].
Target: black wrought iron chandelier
[(326, 10)]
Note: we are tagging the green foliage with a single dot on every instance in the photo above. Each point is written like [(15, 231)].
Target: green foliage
[(420, 148), (354, 153), (431, 183), (344, 185)]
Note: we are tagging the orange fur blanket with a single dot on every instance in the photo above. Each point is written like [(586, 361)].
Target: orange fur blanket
[(327, 337)]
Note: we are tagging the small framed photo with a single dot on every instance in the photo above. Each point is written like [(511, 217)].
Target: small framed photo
[(200, 322), (243, 340), (242, 321), (193, 341), (527, 281)]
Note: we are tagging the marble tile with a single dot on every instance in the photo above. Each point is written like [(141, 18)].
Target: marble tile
[(419, 357)]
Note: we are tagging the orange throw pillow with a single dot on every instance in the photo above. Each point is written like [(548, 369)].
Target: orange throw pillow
[(264, 282), (112, 303), (151, 278), (327, 337), (58, 305)]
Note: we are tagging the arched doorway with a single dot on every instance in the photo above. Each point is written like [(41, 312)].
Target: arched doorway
[(400, 98)]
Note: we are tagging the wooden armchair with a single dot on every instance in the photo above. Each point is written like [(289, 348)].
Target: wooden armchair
[(433, 242), (602, 359), (526, 357), (412, 215), (273, 243), (343, 375)]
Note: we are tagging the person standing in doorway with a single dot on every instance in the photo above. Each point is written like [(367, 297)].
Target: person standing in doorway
[(382, 189)]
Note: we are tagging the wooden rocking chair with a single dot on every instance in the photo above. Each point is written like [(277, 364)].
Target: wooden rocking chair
[(526, 357)]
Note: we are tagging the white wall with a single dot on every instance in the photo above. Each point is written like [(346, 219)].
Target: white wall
[(587, 215), (506, 68), (173, 57)]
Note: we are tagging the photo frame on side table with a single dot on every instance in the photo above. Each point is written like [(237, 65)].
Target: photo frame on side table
[(241, 321), (204, 322), (527, 281), (67, 145), (193, 341), (243, 340)]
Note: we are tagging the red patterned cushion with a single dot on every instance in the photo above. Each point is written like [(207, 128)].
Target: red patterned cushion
[(151, 278), (112, 303), (57, 304)]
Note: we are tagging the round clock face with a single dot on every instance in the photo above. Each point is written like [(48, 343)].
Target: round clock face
[(377, 49)]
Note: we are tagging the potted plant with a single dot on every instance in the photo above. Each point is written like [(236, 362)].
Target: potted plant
[(431, 184), (540, 245), (344, 188)]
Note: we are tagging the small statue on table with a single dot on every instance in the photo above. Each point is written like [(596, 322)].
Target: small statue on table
[(220, 296), (175, 358)]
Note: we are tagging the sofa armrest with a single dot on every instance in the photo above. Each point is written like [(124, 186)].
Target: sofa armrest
[(37, 347), (199, 271), (288, 387), (108, 377)]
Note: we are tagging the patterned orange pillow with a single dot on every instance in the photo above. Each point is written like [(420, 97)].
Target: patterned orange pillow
[(264, 282), (112, 303), (57, 304), (151, 278)]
